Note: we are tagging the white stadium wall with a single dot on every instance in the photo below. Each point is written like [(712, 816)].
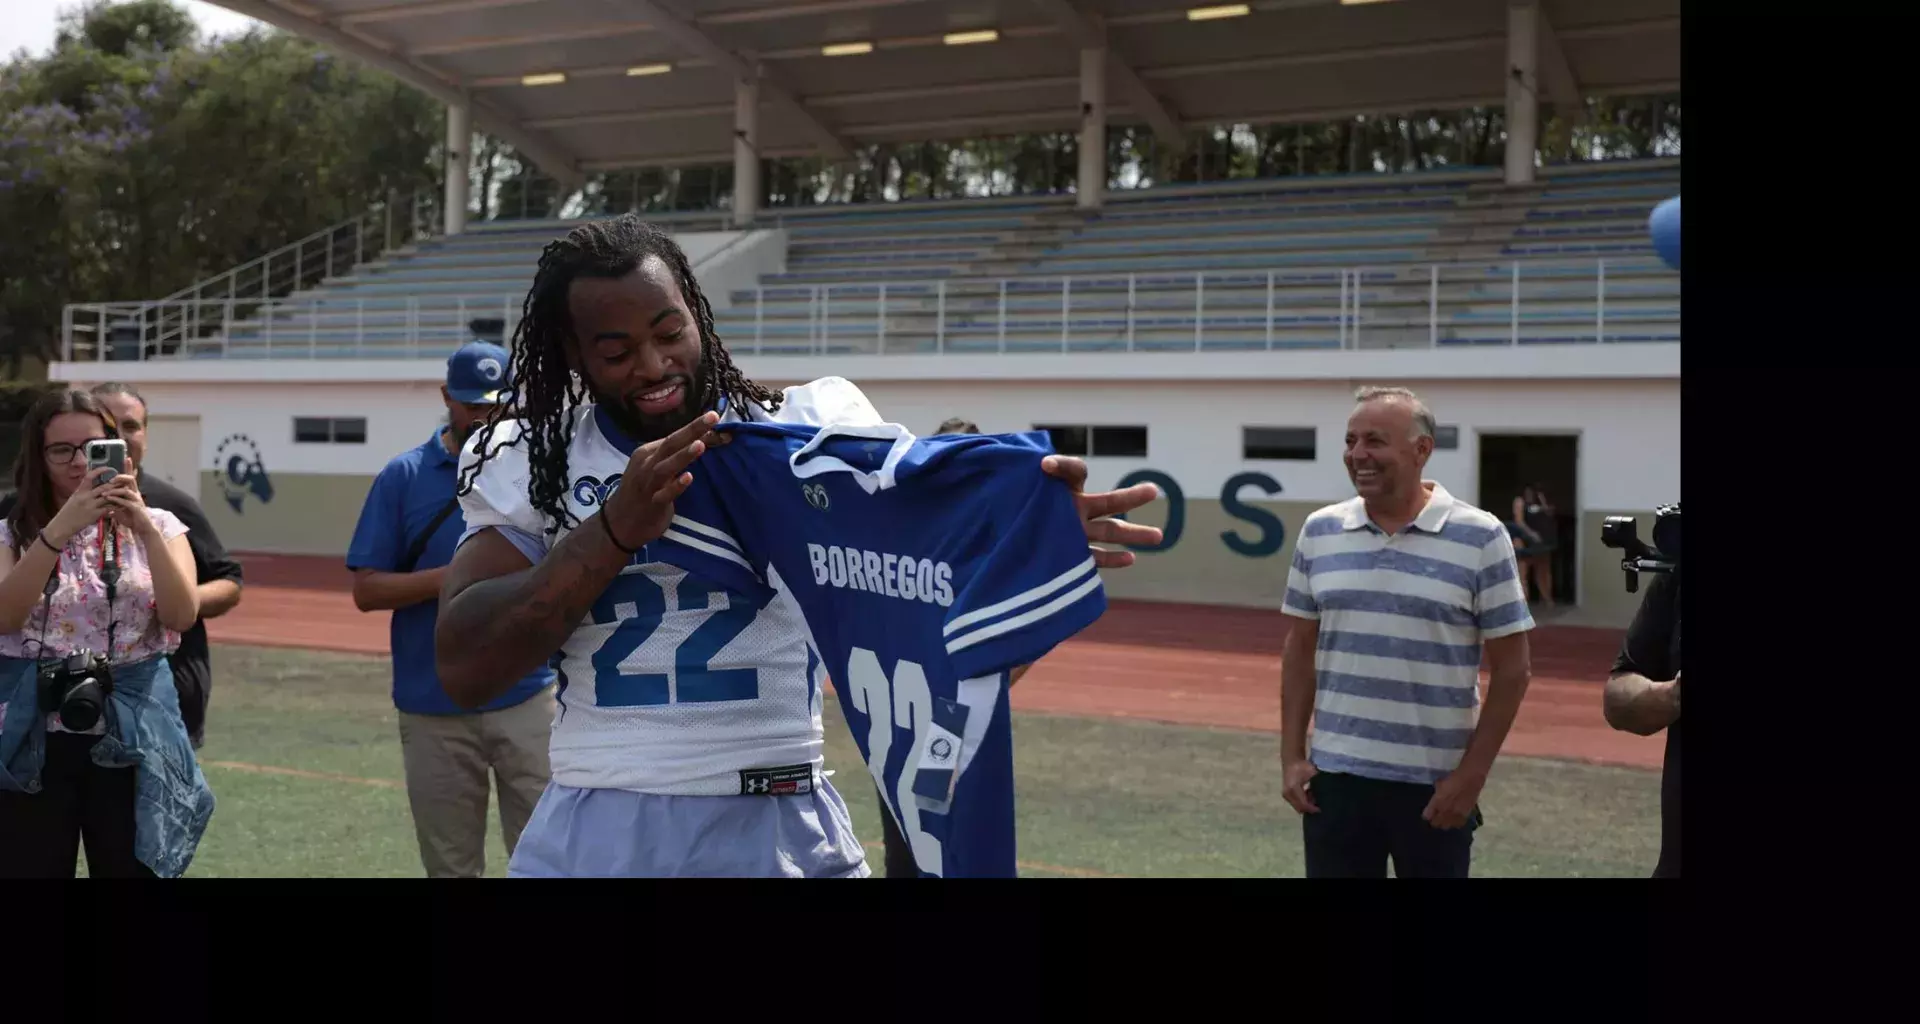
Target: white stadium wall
[(1231, 549), (1629, 430)]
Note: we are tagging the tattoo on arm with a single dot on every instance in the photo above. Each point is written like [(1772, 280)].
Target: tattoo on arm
[(508, 625)]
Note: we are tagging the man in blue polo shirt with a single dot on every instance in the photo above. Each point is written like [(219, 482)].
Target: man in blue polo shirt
[(408, 529)]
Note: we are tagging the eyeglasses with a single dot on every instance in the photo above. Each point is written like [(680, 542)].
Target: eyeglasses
[(64, 452)]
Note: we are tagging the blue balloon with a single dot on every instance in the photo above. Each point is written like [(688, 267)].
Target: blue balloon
[(1665, 225)]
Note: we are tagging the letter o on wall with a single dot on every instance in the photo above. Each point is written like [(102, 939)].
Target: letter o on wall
[(1176, 506)]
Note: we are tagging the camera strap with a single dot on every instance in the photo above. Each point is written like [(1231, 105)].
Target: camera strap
[(419, 546), (110, 573), (46, 609), (109, 546)]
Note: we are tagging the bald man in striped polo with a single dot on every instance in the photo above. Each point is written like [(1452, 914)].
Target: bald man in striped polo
[(1395, 594)]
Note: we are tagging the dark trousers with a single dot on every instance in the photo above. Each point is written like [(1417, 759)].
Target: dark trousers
[(1362, 823), (899, 854), (193, 681), (40, 833)]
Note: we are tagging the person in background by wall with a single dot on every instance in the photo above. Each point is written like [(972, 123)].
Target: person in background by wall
[(216, 573), (1395, 595), (407, 533), (1536, 519), (87, 568), (956, 425)]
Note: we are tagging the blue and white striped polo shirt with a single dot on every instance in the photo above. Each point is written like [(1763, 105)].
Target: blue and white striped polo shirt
[(1402, 617)]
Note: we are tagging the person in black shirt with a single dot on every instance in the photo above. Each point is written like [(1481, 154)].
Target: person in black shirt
[(1643, 697), (219, 574)]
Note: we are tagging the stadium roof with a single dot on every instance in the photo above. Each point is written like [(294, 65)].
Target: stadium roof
[(589, 85)]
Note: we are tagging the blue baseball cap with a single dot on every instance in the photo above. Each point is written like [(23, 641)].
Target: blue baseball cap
[(477, 374)]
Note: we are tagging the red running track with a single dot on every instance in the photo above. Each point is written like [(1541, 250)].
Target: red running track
[(1152, 661)]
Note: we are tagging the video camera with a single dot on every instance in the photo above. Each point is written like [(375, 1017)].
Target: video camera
[(77, 687), (1622, 532)]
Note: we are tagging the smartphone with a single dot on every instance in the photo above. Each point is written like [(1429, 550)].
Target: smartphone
[(108, 453)]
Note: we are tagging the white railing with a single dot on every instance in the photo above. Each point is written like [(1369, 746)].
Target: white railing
[(181, 321), (314, 326), (1346, 308)]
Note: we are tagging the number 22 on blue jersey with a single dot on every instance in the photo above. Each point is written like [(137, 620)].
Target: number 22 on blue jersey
[(637, 603)]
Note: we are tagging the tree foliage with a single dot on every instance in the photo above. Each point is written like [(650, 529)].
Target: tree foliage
[(1610, 128), (137, 158)]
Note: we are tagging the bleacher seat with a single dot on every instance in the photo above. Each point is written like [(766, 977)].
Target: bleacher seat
[(1278, 264)]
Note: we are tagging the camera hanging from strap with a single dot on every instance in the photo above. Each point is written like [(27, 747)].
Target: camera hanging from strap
[(77, 684)]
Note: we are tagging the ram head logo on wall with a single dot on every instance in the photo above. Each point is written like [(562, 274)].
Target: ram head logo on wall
[(237, 461)]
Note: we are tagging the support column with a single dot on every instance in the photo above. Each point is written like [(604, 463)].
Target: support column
[(1091, 189), (459, 166), (746, 150), (1523, 90)]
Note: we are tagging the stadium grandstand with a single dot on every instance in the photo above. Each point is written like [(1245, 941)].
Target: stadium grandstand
[(1144, 293)]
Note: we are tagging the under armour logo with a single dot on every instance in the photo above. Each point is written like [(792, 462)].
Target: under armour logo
[(816, 495), (759, 785)]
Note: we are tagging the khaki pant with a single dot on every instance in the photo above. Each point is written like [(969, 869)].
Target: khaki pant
[(447, 758)]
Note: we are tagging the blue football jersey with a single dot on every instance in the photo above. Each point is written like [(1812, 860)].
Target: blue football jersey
[(925, 568)]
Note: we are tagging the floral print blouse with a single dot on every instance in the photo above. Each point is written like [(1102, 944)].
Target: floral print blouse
[(76, 616)]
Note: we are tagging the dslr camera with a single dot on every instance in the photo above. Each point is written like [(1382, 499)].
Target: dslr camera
[(1622, 533), (77, 687)]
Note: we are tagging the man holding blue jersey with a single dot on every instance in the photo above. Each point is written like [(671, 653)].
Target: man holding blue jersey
[(689, 739), (406, 535)]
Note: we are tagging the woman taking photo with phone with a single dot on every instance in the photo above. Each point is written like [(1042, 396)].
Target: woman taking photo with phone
[(94, 590)]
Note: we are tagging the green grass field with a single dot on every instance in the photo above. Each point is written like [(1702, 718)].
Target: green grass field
[(322, 797)]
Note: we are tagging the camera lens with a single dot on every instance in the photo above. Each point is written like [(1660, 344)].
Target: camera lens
[(81, 708), (1666, 535)]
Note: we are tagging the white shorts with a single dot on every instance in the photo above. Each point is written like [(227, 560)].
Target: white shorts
[(618, 833)]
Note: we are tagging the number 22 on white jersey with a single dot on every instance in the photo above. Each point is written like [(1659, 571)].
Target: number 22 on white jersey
[(907, 703)]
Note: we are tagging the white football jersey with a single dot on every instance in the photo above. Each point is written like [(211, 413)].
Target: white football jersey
[(672, 684)]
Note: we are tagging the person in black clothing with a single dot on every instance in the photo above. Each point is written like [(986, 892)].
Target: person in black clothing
[(219, 574), (1539, 526), (1643, 697)]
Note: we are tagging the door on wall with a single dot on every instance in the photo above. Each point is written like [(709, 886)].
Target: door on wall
[(173, 451), (1550, 462)]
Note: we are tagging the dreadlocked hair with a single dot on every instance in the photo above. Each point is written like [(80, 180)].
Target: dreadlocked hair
[(544, 394)]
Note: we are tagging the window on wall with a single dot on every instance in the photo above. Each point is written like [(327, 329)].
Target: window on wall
[(1066, 440), (1292, 444), (1116, 442), (329, 430), (1446, 438)]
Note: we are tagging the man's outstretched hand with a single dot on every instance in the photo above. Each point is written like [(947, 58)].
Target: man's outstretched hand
[(1096, 508), (656, 474)]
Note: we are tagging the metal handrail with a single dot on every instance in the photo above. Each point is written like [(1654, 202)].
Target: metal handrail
[(1364, 306), (381, 212), (1343, 307), (296, 265)]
